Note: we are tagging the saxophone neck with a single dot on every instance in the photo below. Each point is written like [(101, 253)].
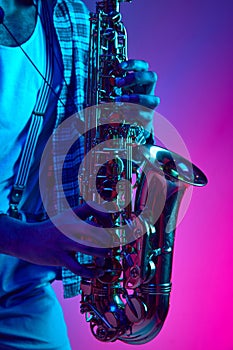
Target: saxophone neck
[(107, 49), (109, 6)]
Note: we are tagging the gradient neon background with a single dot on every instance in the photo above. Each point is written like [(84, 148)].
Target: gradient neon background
[(189, 43)]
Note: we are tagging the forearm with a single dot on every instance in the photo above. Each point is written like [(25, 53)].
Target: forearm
[(43, 244)]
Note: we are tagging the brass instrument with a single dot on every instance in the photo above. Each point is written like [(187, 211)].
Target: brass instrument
[(130, 302)]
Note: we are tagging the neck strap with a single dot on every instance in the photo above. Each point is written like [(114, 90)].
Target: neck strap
[(37, 116)]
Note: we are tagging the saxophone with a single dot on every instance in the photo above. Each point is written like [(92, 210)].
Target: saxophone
[(130, 301)]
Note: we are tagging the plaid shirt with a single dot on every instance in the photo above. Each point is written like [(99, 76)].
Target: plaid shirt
[(72, 27)]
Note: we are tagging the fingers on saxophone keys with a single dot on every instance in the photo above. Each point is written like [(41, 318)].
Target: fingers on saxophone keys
[(135, 65), (148, 101), (137, 79), (92, 209), (73, 265), (90, 250)]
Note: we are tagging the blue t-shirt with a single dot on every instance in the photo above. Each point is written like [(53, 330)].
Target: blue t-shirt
[(30, 315)]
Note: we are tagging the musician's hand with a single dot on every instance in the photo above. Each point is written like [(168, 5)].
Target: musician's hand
[(44, 244), (139, 88), (140, 82)]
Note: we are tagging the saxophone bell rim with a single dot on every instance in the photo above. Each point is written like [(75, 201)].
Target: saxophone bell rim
[(173, 165)]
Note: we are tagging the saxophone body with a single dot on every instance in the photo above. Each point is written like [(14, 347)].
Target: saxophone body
[(130, 301)]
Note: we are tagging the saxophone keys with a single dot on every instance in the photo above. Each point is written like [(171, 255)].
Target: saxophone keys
[(111, 319), (113, 270), (102, 332), (135, 310), (134, 279)]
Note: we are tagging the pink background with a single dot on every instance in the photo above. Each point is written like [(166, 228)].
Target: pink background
[(190, 45)]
